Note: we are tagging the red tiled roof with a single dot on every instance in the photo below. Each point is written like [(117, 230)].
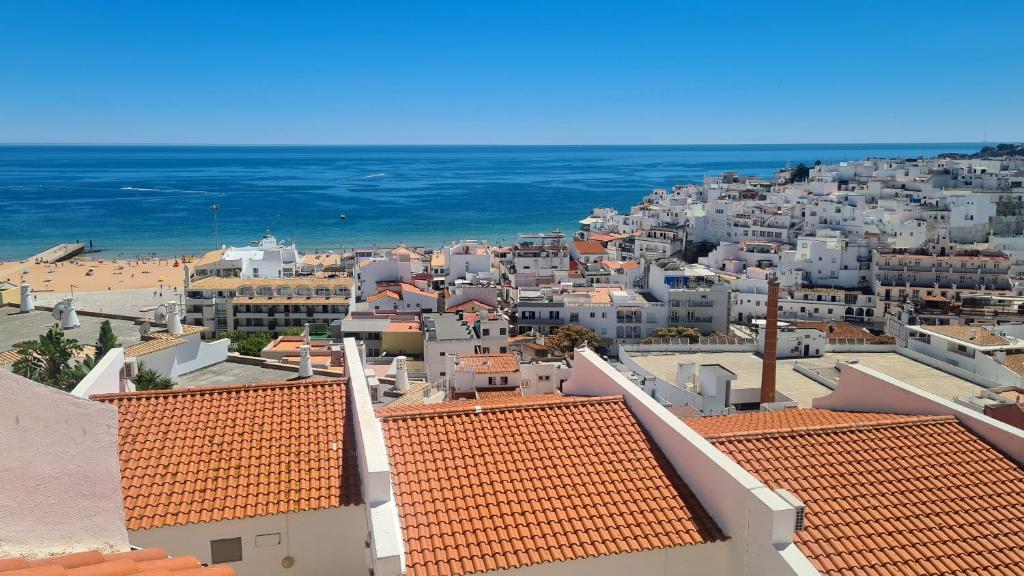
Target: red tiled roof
[(584, 481), (497, 393), (468, 305), (844, 330), (977, 335), (885, 493), (384, 294), (488, 363), (584, 247), (221, 453), (95, 563)]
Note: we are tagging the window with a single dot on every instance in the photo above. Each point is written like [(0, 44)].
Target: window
[(503, 331), (441, 353), (225, 550), (486, 331), (504, 379)]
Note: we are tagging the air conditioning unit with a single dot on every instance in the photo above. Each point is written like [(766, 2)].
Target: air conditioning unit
[(797, 504)]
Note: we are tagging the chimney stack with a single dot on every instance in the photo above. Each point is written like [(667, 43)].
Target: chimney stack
[(771, 343), (401, 374), (305, 362)]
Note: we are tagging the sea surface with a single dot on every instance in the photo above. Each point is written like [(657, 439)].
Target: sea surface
[(130, 200)]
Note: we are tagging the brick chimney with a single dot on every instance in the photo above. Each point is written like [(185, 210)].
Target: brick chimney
[(771, 343)]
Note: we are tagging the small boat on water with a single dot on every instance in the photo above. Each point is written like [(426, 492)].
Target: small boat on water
[(342, 216)]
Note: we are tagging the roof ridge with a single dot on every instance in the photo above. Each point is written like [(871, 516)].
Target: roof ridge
[(897, 420), (474, 406), (224, 388)]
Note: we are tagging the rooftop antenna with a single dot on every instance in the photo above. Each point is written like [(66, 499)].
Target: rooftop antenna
[(215, 208)]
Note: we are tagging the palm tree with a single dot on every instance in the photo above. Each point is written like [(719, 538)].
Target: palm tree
[(48, 360), (149, 379)]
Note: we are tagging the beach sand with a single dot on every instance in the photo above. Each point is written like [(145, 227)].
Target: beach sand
[(94, 275)]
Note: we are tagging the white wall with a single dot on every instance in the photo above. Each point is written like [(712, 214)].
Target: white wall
[(60, 473), (105, 377), (759, 523), (326, 541)]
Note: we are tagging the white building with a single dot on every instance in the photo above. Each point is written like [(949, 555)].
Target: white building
[(266, 259), (468, 257)]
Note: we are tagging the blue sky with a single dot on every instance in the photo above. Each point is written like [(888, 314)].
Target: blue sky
[(510, 72)]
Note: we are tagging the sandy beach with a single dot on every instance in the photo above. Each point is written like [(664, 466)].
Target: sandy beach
[(87, 274)]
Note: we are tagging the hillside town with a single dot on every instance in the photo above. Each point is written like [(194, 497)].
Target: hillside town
[(821, 372)]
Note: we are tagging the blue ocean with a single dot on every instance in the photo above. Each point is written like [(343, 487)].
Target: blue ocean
[(130, 200)]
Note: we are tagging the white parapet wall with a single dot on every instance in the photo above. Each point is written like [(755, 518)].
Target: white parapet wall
[(387, 551), (759, 523), (862, 389), (105, 376), (60, 473)]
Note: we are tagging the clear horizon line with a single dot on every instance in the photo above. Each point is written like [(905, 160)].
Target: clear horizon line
[(382, 145)]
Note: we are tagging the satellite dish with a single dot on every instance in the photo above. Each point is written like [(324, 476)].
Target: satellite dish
[(160, 314)]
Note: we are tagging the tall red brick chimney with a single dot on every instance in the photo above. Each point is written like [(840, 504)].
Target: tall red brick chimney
[(771, 343)]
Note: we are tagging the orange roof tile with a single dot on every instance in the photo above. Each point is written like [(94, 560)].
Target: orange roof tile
[(586, 481), (205, 454), (497, 393), (95, 563), (885, 493), (384, 294), (469, 305), (586, 248), (982, 336), (488, 363), (844, 330)]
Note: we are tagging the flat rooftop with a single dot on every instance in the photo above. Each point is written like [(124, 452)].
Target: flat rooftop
[(227, 373), (800, 388), (17, 327)]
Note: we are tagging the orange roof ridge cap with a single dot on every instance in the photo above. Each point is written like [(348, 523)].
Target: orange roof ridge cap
[(223, 388), (466, 406), (897, 420)]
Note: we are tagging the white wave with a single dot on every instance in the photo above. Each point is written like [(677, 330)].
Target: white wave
[(133, 188), (379, 175)]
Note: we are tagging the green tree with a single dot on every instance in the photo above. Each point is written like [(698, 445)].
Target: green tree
[(800, 173), (569, 337), (293, 331), (48, 360), (149, 379), (249, 343), (106, 341), (690, 334)]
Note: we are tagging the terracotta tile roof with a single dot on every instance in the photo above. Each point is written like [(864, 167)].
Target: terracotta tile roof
[(685, 412), (153, 345), (498, 393), (211, 257), (269, 300), (95, 563), (8, 357), (585, 481), (884, 493), (384, 294), (470, 304), (1015, 362), (218, 283), (220, 453), (488, 363), (983, 336), (835, 331), (623, 265), (586, 248)]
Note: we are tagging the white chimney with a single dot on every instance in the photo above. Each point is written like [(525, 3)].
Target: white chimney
[(1001, 356), (974, 333), (28, 302), (173, 319), (64, 312), (305, 362), (362, 352), (188, 275), (401, 374)]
